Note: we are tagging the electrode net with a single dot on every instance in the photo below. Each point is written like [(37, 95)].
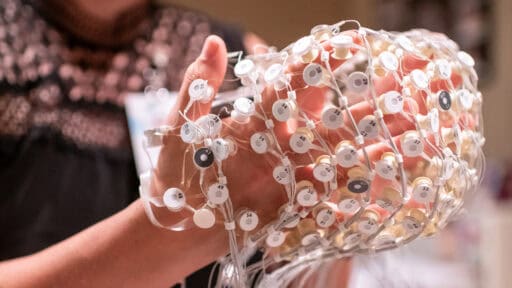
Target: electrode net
[(371, 138)]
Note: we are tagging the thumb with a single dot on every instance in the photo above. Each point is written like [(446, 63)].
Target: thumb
[(210, 66)]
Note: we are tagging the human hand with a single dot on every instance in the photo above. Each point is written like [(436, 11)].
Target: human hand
[(253, 186)]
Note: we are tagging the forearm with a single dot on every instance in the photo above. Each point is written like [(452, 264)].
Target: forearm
[(125, 250)]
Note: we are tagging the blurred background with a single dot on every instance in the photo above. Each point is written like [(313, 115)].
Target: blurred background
[(474, 251)]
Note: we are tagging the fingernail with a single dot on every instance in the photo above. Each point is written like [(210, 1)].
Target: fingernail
[(209, 48)]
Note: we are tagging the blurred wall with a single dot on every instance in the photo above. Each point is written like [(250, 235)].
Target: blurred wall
[(280, 22), (498, 92)]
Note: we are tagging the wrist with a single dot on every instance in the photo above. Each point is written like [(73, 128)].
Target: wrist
[(181, 252)]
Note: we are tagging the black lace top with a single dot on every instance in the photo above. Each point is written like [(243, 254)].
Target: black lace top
[(65, 157)]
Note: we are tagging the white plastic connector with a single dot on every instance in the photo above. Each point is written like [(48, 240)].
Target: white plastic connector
[(344, 102), (229, 225), (269, 123), (324, 56), (407, 92), (359, 139), (286, 161), (333, 160), (257, 98), (378, 114), (292, 95), (310, 124)]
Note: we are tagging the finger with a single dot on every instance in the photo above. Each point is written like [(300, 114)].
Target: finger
[(210, 66), (312, 99), (411, 62)]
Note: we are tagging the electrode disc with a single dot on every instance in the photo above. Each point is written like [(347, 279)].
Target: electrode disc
[(419, 79), (385, 169), (368, 127), (434, 120), (332, 118), (352, 239), (346, 156), (275, 239), (423, 193), (384, 240), (443, 69), (325, 218), (300, 143), (341, 41), (248, 221), (189, 132), (203, 157), (273, 73), (221, 149), (174, 199), (411, 225), (293, 223), (244, 68), (349, 205), (405, 43), (389, 61), (198, 90), (281, 175), (204, 218), (358, 185), (412, 147), (210, 124), (357, 82), (218, 193), (368, 226), (465, 99), (465, 59), (307, 197), (309, 239), (324, 172), (302, 46), (385, 204), (282, 110), (260, 142), (445, 101), (313, 74), (244, 106), (393, 102)]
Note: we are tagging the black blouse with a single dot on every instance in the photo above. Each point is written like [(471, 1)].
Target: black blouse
[(65, 156)]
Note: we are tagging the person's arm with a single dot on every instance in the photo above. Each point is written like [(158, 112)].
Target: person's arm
[(125, 250)]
